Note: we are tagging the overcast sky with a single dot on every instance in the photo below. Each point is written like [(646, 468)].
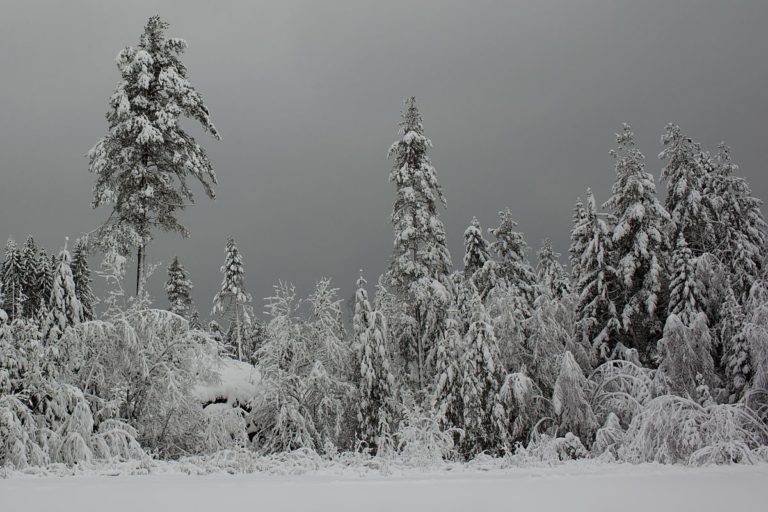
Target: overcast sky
[(521, 101)]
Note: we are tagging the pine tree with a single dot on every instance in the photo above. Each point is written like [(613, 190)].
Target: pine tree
[(64, 309), (736, 356), (375, 412), (578, 242), (639, 242), (420, 260), (510, 245), (30, 289), (194, 321), (475, 249), (179, 289), (232, 301), (597, 318), (485, 418), (13, 281), (550, 275), (446, 398), (740, 228), (479, 267), (142, 165), (45, 274), (81, 273), (686, 298), (684, 175)]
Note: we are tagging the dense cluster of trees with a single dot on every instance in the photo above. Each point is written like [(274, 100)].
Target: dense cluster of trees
[(654, 346)]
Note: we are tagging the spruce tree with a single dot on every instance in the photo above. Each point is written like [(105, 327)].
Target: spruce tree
[(684, 175), (45, 274), (143, 164), (485, 418), (597, 318), (479, 268), (446, 398), (81, 273), (64, 309), (686, 297), (638, 245), (475, 249), (511, 247), (179, 289), (13, 281), (29, 263), (736, 359), (740, 228), (376, 385), (232, 301), (420, 260), (550, 275), (578, 242)]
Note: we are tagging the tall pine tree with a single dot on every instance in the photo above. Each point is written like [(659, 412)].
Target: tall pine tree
[(376, 387), (420, 260), (597, 318), (144, 162), (638, 245)]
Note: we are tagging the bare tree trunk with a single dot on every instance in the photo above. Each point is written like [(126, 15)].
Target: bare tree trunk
[(140, 258)]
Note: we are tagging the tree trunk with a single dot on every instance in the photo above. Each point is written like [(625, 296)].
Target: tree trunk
[(140, 257)]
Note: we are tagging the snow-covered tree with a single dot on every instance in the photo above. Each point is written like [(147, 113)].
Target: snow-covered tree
[(756, 334), (685, 353), (29, 263), (64, 309), (304, 397), (376, 387), (45, 274), (13, 281), (686, 297), (446, 398), (511, 249), (684, 175), (736, 358), (578, 241), (232, 301), (638, 245), (571, 400), (179, 288), (81, 273), (144, 162), (739, 227), (420, 246), (550, 275), (486, 422), (475, 249), (420, 260), (598, 320)]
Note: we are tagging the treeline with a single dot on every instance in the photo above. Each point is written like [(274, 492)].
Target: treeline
[(652, 347)]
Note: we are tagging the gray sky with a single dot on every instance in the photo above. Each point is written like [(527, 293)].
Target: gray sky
[(521, 100)]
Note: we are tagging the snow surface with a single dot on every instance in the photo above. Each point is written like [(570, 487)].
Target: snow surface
[(238, 383), (575, 486)]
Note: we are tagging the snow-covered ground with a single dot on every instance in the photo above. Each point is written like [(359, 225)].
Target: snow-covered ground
[(568, 487)]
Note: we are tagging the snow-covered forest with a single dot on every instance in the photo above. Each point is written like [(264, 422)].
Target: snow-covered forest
[(646, 342)]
